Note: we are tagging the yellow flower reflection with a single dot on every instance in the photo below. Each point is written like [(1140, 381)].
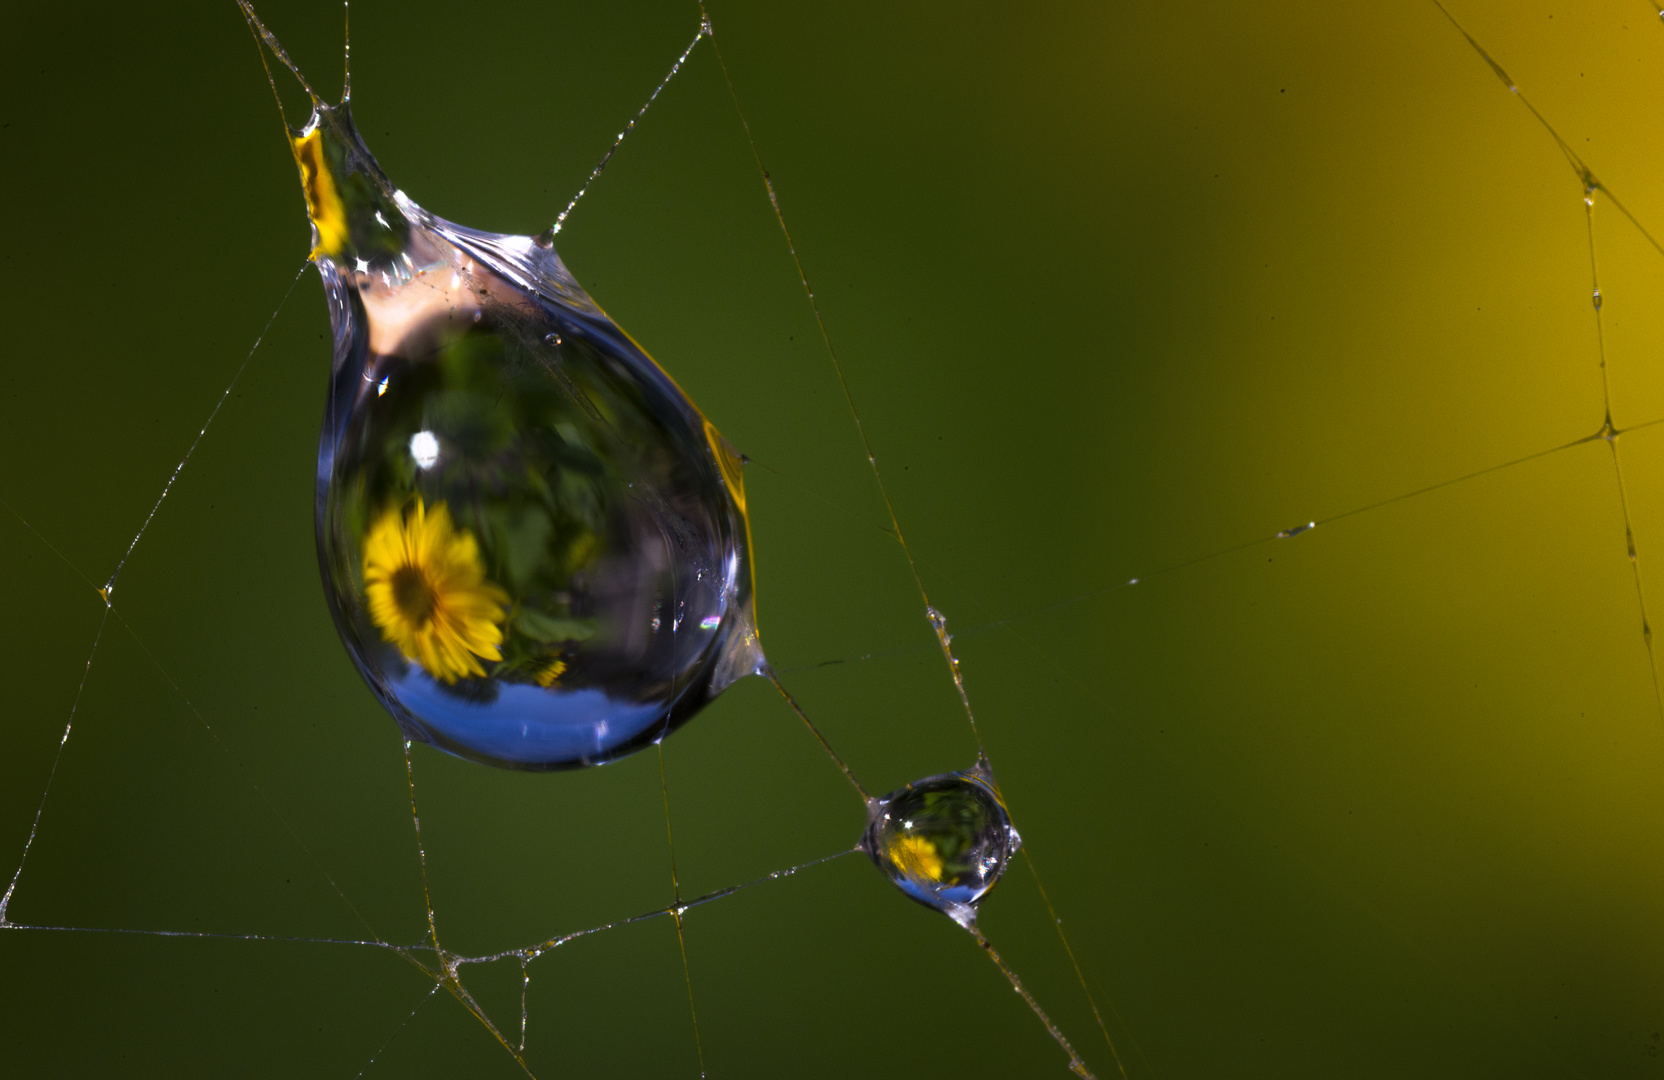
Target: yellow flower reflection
[(427, 592), (916, 857), (550, 673)]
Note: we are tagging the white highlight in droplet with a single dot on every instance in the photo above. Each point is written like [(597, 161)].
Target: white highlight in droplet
[(381, 387), (425, 449), (710, 622)]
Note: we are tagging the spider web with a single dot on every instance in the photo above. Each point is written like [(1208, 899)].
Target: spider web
[(1378, 792)]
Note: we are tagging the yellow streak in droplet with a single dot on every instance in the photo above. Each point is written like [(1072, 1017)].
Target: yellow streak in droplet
[(729, 462), (323, 201)]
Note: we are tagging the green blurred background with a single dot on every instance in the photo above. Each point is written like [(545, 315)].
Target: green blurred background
[(1118, 288)]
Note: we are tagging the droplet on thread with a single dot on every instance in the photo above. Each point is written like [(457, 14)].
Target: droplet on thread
[(944, 841), (483, 536)]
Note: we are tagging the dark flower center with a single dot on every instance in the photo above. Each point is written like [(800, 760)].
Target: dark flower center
[(413, 594)]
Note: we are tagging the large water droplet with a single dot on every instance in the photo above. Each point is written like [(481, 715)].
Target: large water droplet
[(944, 840), (533, 544)]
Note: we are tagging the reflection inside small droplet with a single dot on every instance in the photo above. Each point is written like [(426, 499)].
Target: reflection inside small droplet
[(944, 840)]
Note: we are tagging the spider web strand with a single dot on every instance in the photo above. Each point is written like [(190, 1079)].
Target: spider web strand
[(52, 774), (427, 997), (791, 702), (1080, 976), (1076, 1065), (606, 159), (938, 621), (676, 897), (109, 586), (1591, 184), (935, 617)]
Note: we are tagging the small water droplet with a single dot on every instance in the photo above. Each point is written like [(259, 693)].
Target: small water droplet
[(1597, 299), (552, 339), (944, 840)]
